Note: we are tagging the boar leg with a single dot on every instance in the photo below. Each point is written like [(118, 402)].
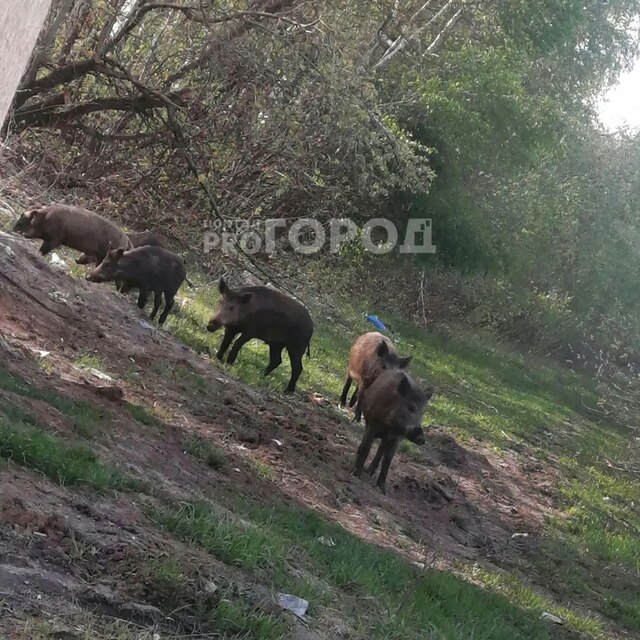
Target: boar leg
[(275, 358), (345, 390), (168, 305), (229, 335), (48, 245), (363, 452), (85, 258), (354, 397), (358, 412), (142, 298), (390, 445), (371, 469), (123, 287), (295, 357), (243, 338), (157, 301)]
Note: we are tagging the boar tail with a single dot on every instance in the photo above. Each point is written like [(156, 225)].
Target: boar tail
[(309, 350), (189, 282)]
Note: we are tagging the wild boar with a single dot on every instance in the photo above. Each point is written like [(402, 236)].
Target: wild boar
[(371, 354), (75, 227), (137, 239), (147, 268), (268, 315), (148, 238), (393, 407)]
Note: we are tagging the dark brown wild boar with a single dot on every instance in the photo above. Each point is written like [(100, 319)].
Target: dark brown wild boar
[(137, 239), (268, 315), (75, 227), (371, 354), (393, 407), (147, 268), (148, 238)]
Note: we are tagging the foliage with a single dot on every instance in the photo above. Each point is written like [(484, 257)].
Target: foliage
[(476, 115)]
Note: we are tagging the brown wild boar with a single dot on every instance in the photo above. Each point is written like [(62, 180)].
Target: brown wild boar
[(147, 268), (268, 315), (61, 224), (393, 407), (148, 238), (371, 354), (137, 239)]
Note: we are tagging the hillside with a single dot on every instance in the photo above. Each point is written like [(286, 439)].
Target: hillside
[(149, 492)]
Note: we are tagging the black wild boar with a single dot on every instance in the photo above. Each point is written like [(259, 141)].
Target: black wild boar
[(371, 354), (392, 408), (268, 315), (147, 268), (61, 224)]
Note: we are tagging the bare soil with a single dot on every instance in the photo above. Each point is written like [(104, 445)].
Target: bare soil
[(68, 552)]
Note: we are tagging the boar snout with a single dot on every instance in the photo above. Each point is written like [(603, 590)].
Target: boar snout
[(214, 324), (417, 435), (92, 276)]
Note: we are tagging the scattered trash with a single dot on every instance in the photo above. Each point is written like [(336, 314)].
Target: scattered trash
[(241, 447), (376, 322), (146, 325), (297, 606), (44, 354), (57, 262), (210, 587), (551, 618), (419, 565), (278, 443), (517, 536), (327, 542), (99, 374), (58, 296)]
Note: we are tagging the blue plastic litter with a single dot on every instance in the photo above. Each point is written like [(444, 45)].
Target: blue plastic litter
[(376, 322)]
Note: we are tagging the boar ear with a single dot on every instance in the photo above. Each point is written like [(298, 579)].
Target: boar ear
[(383, 349), (32, 214), (245, 298), (405, 362), (404, 386), (222, 287)]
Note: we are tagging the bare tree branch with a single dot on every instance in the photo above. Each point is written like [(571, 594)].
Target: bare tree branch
[(402, 42)]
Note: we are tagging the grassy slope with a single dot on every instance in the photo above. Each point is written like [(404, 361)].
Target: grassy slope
[(485, 391)]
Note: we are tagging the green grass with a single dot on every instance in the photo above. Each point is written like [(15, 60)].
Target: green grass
[(85, 418), (238, 618), (206, 452), (397, 601), (141, 414), (90, 361), (506, 400), (25, 441), (59, 460), (588, 561)]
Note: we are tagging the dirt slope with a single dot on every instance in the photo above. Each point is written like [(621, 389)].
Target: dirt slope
[(68, 552)]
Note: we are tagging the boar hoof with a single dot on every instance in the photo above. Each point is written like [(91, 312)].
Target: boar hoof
[(383, 489)]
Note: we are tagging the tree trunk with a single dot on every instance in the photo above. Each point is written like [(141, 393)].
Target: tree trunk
[(20, 24)]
